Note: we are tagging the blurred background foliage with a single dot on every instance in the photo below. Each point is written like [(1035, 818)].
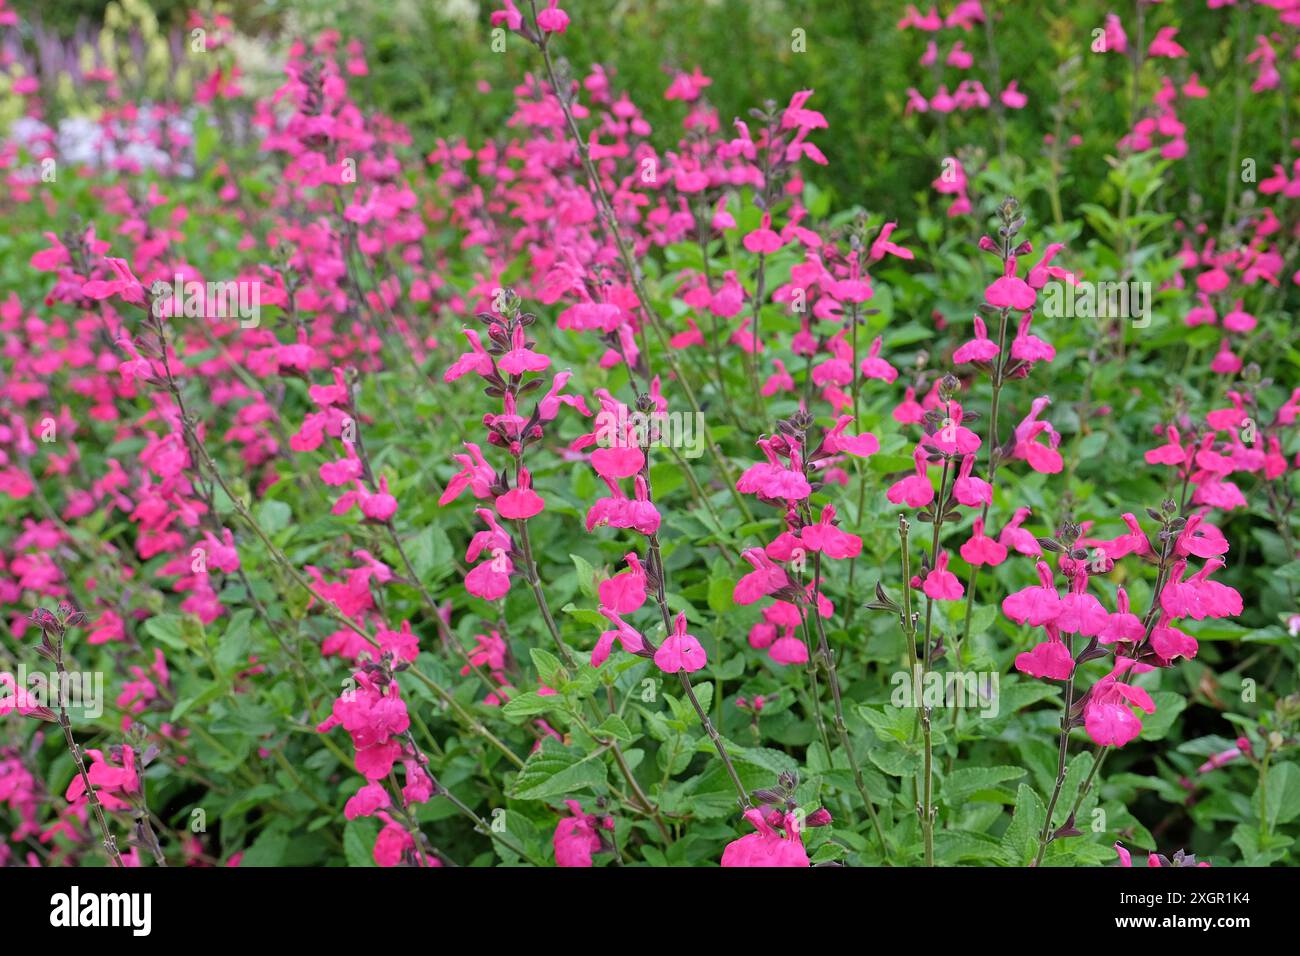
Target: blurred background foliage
[(433, 67)]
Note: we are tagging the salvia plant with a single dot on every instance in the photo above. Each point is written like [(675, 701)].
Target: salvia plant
[(592, 493)]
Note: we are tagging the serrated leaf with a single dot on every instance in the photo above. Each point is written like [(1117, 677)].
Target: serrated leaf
[(1020, 842), (615, 726), (553, 771), (530, 702), (967, 781), (359, 837)]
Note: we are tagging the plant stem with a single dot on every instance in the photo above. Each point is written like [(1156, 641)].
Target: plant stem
[(1062, 752), (841, 729)]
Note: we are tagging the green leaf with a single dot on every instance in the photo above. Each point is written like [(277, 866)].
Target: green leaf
[(549, 669), (720, 594), (232, 645), (274, 515), (267, 850), (1020, 842), (967, 781), (1282, 799), (359, 837), (615, 726), (586, 575), (1168, 706), (531, 702), (553, 771), (430, 549), (891, 724), (167, 629)]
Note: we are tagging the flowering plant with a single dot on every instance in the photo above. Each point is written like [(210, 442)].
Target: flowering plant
[(606, 492)]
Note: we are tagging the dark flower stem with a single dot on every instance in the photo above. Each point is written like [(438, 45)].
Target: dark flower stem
[(109, 841)]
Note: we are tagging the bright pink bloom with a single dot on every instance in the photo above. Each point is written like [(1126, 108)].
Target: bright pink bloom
[(1108, 715), (830, 540), (1009, 291), (680, 651), (763, 239), (1048, 660), (767, 847), (625, 592), (980, 549), (628, 637), (766, 578), (940, 583), (521, 502), (979, 349), (1037, 605), (1123, 625), (577, 836), (969, 490), (915, 490)]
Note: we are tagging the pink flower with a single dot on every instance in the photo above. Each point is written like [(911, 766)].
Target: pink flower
[(475, 474), (979, 349), (981, 549), (1108, 715), (379, 506), (1123, 625), (772, 479), (861, 446), (1242, 746), (476, 360), (1134, 542), (915, 490), (1164, 44), (830, 540), (1037, 605), (1044, 459), (617, 462), (366, 801), (680, 651), (619, 511), (491, 579), (628, 637), (625, 592), (763, 239), (1028, 347), (552, 20), (521, 358), (941, 584), (126, 284), (1080, 612), (873, 366), (521, 502), (788, 649), (510, 16), (1010, 291), (767, 847), (1048, 660), (971, 491), (881, 246), (766, 578)]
